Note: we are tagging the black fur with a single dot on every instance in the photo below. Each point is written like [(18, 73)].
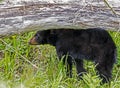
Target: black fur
[(93, 44)]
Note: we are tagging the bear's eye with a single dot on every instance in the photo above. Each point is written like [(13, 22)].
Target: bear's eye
[(37, 36)]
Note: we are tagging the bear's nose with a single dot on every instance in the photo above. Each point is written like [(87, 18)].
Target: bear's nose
[(33, 41), (30, 42)]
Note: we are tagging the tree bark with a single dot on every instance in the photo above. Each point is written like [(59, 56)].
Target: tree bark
[(42, 15)]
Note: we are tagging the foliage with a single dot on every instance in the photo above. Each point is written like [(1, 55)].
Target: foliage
[(25, 66)]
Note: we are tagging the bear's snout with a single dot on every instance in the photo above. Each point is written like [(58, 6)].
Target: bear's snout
[(33, 41)]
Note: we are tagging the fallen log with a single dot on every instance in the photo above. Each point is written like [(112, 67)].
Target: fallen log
[(41, 15)]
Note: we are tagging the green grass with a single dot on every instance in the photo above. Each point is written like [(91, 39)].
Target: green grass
[(1, 0), (25, 66)]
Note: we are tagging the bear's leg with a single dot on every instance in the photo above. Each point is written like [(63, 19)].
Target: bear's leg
[(69, 68), (104, 67), (79, 67), (67, 60), (104, 72)]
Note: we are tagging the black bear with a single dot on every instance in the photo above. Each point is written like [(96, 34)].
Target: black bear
[(93, 44)]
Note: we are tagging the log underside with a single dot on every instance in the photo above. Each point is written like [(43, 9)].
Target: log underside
[(41, 16)]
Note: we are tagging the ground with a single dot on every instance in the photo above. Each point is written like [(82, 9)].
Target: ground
[(25, 66)]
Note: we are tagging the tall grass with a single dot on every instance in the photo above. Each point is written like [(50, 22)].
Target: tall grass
[(25, 66)]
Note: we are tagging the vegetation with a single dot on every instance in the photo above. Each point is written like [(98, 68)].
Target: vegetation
[(25, 66)]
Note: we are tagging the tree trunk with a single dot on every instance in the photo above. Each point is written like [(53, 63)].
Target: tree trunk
[(41, 15)]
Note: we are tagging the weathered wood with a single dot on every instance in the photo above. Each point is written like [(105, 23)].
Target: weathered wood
[(45, 15)]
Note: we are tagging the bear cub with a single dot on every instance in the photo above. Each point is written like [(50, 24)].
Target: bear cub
[(94, 44)]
